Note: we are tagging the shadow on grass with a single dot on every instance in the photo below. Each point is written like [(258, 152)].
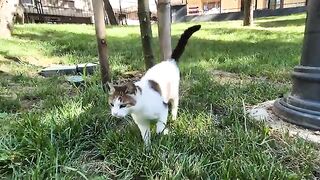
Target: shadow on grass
[(60, 136), (6, 55), (283, 23), (195, 148), (262, 57)]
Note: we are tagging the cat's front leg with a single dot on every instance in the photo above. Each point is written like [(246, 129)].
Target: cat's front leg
[(144, 127), (145, 133), (162, 122)]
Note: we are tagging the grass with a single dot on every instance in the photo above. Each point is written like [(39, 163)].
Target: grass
[(54, 130)]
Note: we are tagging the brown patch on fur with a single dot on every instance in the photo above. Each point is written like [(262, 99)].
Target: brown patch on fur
[(155, 86), (123, 94)]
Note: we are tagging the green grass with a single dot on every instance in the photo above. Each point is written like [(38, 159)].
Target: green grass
[(53, 130)]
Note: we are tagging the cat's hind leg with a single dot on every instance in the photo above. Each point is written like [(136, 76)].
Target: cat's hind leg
[(174, 107)]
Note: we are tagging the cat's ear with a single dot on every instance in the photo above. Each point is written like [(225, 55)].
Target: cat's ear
[(111, 88), (131, 88)]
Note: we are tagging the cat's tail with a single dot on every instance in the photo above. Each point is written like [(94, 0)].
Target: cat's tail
[(177, 52)]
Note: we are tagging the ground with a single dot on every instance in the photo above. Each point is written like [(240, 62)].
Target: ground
[(51, 129)]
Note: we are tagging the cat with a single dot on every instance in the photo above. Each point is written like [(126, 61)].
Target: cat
[(148, 98)]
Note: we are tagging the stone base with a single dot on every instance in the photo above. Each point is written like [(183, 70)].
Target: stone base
[(264, 112), (296, 115)]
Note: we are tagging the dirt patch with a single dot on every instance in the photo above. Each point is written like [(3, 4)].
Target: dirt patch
[(263, 112), (226, 77), (27, 94), (30, 60), (129, 77), (43, 62), (93, 162)]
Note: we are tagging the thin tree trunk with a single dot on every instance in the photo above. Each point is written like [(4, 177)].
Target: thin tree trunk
[(248, 13), (164, 29), (146, 33), (6, 18), (19, 13), (98, 12), (281, 4), (110, 13)]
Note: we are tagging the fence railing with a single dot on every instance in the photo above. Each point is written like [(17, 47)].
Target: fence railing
[(60, 11)]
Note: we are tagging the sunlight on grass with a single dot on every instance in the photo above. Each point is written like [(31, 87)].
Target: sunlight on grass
[(54, 130)]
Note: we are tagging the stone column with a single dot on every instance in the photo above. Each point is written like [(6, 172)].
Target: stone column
[(302, 106)]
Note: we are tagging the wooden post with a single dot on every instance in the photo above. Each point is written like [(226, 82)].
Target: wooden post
[(98, 12), (112, 18), (146, 33), (164, 29)]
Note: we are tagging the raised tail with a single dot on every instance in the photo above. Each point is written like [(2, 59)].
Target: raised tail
[(177, 52)]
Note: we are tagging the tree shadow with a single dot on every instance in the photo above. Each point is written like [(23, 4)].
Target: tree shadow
[(126, 52), (273, 59), (201, 92), (6, 55), (283, 23)]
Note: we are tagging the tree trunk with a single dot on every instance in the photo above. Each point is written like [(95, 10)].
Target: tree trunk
[(6, 18), (248, 13), (281, 4), (110, 13), (164, 29), (98, 12), (19, 13), (146, 33)]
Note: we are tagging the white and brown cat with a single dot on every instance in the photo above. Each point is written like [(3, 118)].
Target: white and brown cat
[(147, 100)]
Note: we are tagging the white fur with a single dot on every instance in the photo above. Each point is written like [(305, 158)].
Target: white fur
[(149, 103), (167, 75)]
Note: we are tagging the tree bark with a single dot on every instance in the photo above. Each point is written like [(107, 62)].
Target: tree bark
[(19, 13), (6, 18), (146, 33), (98, 12), (248, 13), (164, 29), (281, 4), (110, 13)]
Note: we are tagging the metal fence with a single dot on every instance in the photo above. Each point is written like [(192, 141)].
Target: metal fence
[(59, 11)]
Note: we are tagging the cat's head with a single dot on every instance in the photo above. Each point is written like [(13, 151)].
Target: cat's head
[(122, 99)]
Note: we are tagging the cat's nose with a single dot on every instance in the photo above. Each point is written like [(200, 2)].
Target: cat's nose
[(115, 114)]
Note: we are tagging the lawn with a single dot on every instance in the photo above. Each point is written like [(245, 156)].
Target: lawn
[(51, 129)]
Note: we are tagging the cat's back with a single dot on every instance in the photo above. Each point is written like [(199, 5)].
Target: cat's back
[(163, 71)]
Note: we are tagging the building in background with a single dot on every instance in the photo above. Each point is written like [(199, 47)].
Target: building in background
[(58, 11), (128, 10), (197, 7), (80, 11)]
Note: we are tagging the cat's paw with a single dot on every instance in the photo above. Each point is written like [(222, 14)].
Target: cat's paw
[(165, 132)]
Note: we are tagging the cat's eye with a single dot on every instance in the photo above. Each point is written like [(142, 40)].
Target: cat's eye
[(123, 105), (111, 104)]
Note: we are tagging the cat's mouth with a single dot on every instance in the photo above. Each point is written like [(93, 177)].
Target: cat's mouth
[(118, 115)]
